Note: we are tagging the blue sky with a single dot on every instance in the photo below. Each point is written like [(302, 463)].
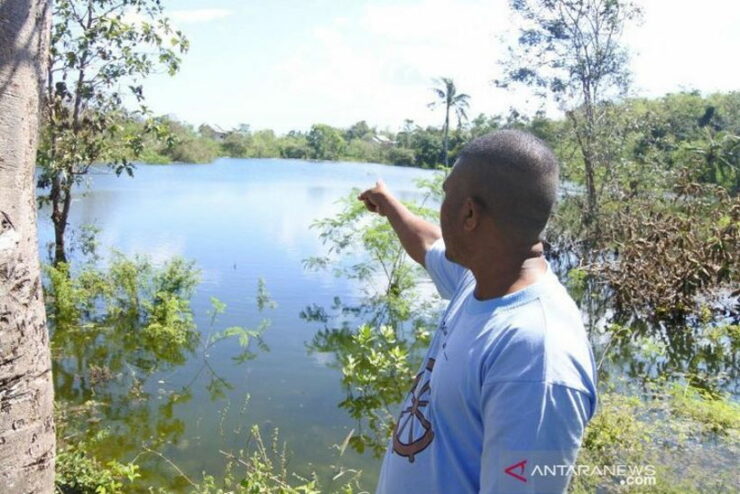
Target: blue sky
[(285, 64)]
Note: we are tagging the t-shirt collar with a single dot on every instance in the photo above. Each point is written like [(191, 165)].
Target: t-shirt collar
[(510, 300)]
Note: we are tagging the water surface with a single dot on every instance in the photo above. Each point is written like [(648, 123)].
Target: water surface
[(240, 220)]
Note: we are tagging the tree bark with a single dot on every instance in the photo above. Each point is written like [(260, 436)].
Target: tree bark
[(61, 198), (26, 394), (583, 132)]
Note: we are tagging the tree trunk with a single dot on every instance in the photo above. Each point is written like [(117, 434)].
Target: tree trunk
[(61, 198), (26, 393), (591, 204), (59, 249), (589, 158), (583, 131)]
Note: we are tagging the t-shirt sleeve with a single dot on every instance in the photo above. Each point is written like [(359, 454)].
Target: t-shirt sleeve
[(531, 434), (445, 274)]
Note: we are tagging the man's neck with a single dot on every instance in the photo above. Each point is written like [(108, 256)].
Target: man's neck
[(500, 273)]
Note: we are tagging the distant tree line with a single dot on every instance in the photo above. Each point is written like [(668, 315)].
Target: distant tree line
[(667, 131)]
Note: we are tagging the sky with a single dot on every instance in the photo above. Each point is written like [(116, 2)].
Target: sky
[(287, 64)]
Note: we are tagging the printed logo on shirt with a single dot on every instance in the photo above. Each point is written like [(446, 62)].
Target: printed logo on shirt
[(517, 470), (414, 431)]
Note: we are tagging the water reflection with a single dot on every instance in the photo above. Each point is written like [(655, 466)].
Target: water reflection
[(116, 333), (239, 220)]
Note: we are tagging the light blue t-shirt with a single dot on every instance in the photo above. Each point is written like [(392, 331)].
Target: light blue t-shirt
[(502, 397)]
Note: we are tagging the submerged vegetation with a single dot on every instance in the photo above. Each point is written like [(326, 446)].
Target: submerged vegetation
[(113, 327), (666, 435), (380, 354)]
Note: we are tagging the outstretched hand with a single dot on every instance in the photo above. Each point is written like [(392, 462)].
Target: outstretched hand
[(376, 198), (415, 233)]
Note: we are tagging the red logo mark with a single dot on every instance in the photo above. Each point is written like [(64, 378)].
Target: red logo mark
[(521, 466)]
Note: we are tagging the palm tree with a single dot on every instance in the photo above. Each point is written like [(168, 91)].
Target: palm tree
[(26, 393), (448, 96)]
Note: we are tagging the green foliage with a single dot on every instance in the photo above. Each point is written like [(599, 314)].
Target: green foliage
[(646, 142), (130, 312), (568, 48), (294, 146), (717, 159), (360, 130), (401, 156), (615, 431), (375, 366), (483, 124), (243, 335), (173, 141), (688, 438), (77, 469), (235, 144), (716, 414), (180, 142), (382, 267), (377, 342), (659, 137), (450, 99), (427, 145), (97, 47), (577, 282), (187, 146), (264, 145), (261, 467), (77, 472), (325, 142), (364, 150)]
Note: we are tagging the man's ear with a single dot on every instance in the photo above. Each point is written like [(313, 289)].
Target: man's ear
[(471, 214)]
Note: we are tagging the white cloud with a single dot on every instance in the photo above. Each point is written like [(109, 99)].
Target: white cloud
[(381, 67), (685, 45), (196, 16)]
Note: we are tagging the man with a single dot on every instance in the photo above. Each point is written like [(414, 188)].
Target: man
[(508, 384)]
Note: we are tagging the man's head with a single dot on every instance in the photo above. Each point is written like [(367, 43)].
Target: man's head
[(501, 190)]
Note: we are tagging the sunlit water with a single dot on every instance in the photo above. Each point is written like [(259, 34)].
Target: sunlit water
[(240, 220)]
